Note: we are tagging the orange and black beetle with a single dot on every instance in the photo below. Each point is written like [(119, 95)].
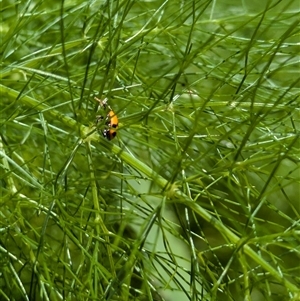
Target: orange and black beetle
[(111, 120)]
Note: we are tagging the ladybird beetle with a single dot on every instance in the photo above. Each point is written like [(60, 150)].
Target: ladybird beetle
[(111, 120)]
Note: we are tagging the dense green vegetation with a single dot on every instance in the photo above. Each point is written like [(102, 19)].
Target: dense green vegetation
[(197, 198)]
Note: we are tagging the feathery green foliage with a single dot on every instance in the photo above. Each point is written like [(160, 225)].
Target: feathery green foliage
[(198, 196)]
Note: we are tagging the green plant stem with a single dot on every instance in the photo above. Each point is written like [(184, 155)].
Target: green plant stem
[(176, 194)]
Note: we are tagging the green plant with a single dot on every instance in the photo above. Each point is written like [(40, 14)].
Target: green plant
[(198, 196)]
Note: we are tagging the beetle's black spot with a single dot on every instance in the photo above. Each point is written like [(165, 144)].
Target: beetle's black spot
[(113, 135)]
